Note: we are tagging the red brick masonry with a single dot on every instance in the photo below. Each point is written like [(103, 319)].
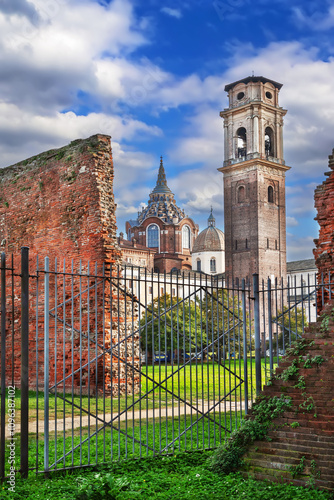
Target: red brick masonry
[(60, 204)]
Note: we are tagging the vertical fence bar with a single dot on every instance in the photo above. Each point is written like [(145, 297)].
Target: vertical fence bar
[(3, 364), (46, 363), (257, 333), (270, 326), (24, 359), (13, 325), (244, 332)]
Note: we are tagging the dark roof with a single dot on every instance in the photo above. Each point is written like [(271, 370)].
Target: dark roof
[(129, 244), (132, 222), (301, 265), (262, 79)]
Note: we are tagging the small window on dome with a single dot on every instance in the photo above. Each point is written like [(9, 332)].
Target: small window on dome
[(269, 95), (240, 96), (198, 265), (213, 265)]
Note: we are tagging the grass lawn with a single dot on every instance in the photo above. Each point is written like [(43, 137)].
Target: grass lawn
[(206, 382), (184, 476), (129, 439)]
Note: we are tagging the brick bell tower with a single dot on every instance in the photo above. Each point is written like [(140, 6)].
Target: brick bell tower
[(254, 180)]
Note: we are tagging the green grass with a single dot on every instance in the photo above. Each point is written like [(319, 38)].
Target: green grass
[(183, 476), (209, 381), (130, 439)]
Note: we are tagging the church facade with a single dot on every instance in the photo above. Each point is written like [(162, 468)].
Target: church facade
[(164, 229)]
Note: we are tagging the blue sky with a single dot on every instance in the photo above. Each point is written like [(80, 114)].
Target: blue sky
[(152, 75)]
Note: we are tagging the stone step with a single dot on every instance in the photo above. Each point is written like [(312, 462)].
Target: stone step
[(313, 439), (321, 455), (305, 433), (314, 424), (302, 414), (265, 475), (283, 464)]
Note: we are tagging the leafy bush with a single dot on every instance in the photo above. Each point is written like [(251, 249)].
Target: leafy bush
[(103, 486), (228, 458)]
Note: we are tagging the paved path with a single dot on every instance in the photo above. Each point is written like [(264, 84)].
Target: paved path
[(131, 416)]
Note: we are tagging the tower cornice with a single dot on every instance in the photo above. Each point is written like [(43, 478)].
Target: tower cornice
[(254, 162), (227, 112)]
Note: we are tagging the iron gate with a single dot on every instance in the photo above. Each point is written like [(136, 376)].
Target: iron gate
[(129, 363)]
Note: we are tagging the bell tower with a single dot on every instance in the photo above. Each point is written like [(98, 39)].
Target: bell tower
[(254, 180)]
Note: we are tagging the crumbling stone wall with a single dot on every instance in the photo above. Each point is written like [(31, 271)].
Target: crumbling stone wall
[(324, 251), (60, 204)]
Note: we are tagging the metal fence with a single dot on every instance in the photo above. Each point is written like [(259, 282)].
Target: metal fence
[(100, 365)]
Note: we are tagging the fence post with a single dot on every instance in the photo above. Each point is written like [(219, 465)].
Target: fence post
[(46, 364), (3, 365), (24, 359), (244, 331), (257, 333), (271, 360)]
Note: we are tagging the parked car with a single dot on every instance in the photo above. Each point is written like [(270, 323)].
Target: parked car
[(160, 357), (280, 352)]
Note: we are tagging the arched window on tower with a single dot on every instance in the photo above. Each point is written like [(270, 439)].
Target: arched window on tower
[(269, 142), (270, 194), (241, 194), (241, 142), (186, 237), (213, 265), (153, 236)]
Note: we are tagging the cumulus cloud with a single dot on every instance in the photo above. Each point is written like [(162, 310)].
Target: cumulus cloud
[(19, 8), (299, 248), (319, 20), (69, 69), (291, 222)]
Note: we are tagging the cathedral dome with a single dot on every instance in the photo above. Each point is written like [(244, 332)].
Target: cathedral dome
[(161, 203), (210, 239)]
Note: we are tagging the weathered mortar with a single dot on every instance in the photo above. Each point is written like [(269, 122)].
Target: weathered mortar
[(60, 204)]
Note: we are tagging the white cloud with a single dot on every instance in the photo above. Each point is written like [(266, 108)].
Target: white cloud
[(299, 248), (38, 132), (291, 222), (317, 21), (52, 51), (172, 12)]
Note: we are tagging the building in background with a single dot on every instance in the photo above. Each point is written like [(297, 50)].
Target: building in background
[(134, 254), (254, 180), (208, 253), (164, 229)]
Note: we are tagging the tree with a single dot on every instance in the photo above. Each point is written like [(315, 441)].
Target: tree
[(211, 322), (224, 323), (170, 324)]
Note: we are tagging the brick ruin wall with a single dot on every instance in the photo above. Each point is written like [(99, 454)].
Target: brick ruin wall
[(60, 204), (324, 251)]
